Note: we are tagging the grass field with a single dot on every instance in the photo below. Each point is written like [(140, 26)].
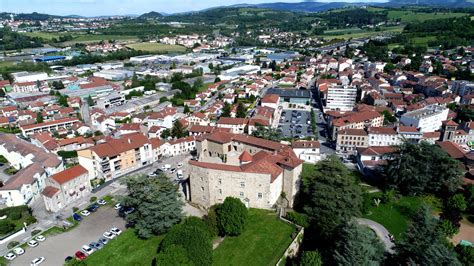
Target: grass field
[(127, 249), (411, 16), (358, 33), (46, 35), (157, 47), (396, 215), (263, 242)]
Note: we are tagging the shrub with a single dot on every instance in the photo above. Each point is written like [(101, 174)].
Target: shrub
[(231, 217), (211, 221), (93, 199), (30, 220), (448, 228), (173, 256), (6, 227), (15, 216), (35, 232), (388, 196), (75, 209), (465, 254), (13, 244), (298, 218)]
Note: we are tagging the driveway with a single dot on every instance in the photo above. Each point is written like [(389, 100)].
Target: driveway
[(381, 232), (56, 248)]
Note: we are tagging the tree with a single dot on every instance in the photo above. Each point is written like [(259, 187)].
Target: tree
[(357, 245), (157, 204), (266, 133), (194, 239), (465, 254), (178, 131), (226, 110), (333, 195), (241, 110), (198, 84), (39, 117), (231, 217), (186, 109), (457, 202), (311, 258), (90, 101), (423, 243), (388, 117), (173, 255), (165, 134), (63, 101), (417, 168), (217, 79), (389, 67)]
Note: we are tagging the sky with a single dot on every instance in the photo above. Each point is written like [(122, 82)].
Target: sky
[(125, 7)]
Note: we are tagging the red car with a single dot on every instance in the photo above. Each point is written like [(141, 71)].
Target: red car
[(80, 255)]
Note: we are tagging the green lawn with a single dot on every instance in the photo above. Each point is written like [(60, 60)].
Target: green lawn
[(411, 16), (102, 37), (127, 249), (157, 47), (358, 33), (263, 242), (46, 35), (395, 216)]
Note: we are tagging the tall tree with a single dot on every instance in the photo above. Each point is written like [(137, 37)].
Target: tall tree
[(231, 217), (186, 109), (333, 195), (241, 110), (423, 243), (39, 117), (226, 110), (417, 168), (157, 204), (357, 245), (311, 258), (178, 131), (173, 256)]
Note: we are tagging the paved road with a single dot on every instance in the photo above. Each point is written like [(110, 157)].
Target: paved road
[(56, 248), (381, 232)]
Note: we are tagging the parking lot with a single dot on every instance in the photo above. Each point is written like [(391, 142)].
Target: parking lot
[(295, 124), (56, 248)]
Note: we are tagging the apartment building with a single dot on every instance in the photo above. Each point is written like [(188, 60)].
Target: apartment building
[(308, 151), (356, 120), (237, 125), (65, 187), (349, 139), (383, 136), (426, 119), (341, 98), (60, 126), (116, 157), (254, 170), (34, 165)]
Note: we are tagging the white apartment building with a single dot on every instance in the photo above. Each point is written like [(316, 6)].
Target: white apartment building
[(237, 125), (341, 98), (383, 136), (427, 119), (307, 151)]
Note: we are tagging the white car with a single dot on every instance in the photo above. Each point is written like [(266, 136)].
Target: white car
[(10, 256), (40, 238), (101, 202), (19, 251), (37, 261), (87, 249), (115, 231), (118, 206), (85, 213), (109, 235), (33, 243)]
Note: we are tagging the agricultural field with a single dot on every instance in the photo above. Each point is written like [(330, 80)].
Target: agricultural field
[(412, 16), (157, 47), (358, 33)]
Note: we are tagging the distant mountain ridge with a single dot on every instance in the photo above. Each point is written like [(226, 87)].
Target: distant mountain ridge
[(151, 15)]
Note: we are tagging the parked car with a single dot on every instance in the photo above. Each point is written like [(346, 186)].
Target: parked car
[(40, 238), (115, 231), (103, 241), (10, 256), (173, 170), (180, 165), (179, 174), (77, 217), (96, 245), (87, 250), (80, 255), (130, 224), (85, 213), (117, 206), (19, 251), (101, 202), (109, 235), (158, 171), (33, 243), (37, 261), (93, 208), (68, 259)]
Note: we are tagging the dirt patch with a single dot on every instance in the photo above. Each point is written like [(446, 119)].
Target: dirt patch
[(466, 232)]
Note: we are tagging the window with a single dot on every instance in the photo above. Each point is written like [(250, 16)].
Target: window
[(219, 181), (202, 188), (242, 184), (220, 191), (259, 195), (241, 193)]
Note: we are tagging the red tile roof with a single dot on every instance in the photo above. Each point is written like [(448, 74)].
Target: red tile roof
[(232, 121), (453, 149), (69, 174), (114, 147), (49, 191), (271, 98)]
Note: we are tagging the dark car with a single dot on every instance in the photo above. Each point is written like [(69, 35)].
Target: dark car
[(68, 258), (96, 245), (93, 208), (130, 224), (80, 255), (126, 210), (77, 217), (158, 171)]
